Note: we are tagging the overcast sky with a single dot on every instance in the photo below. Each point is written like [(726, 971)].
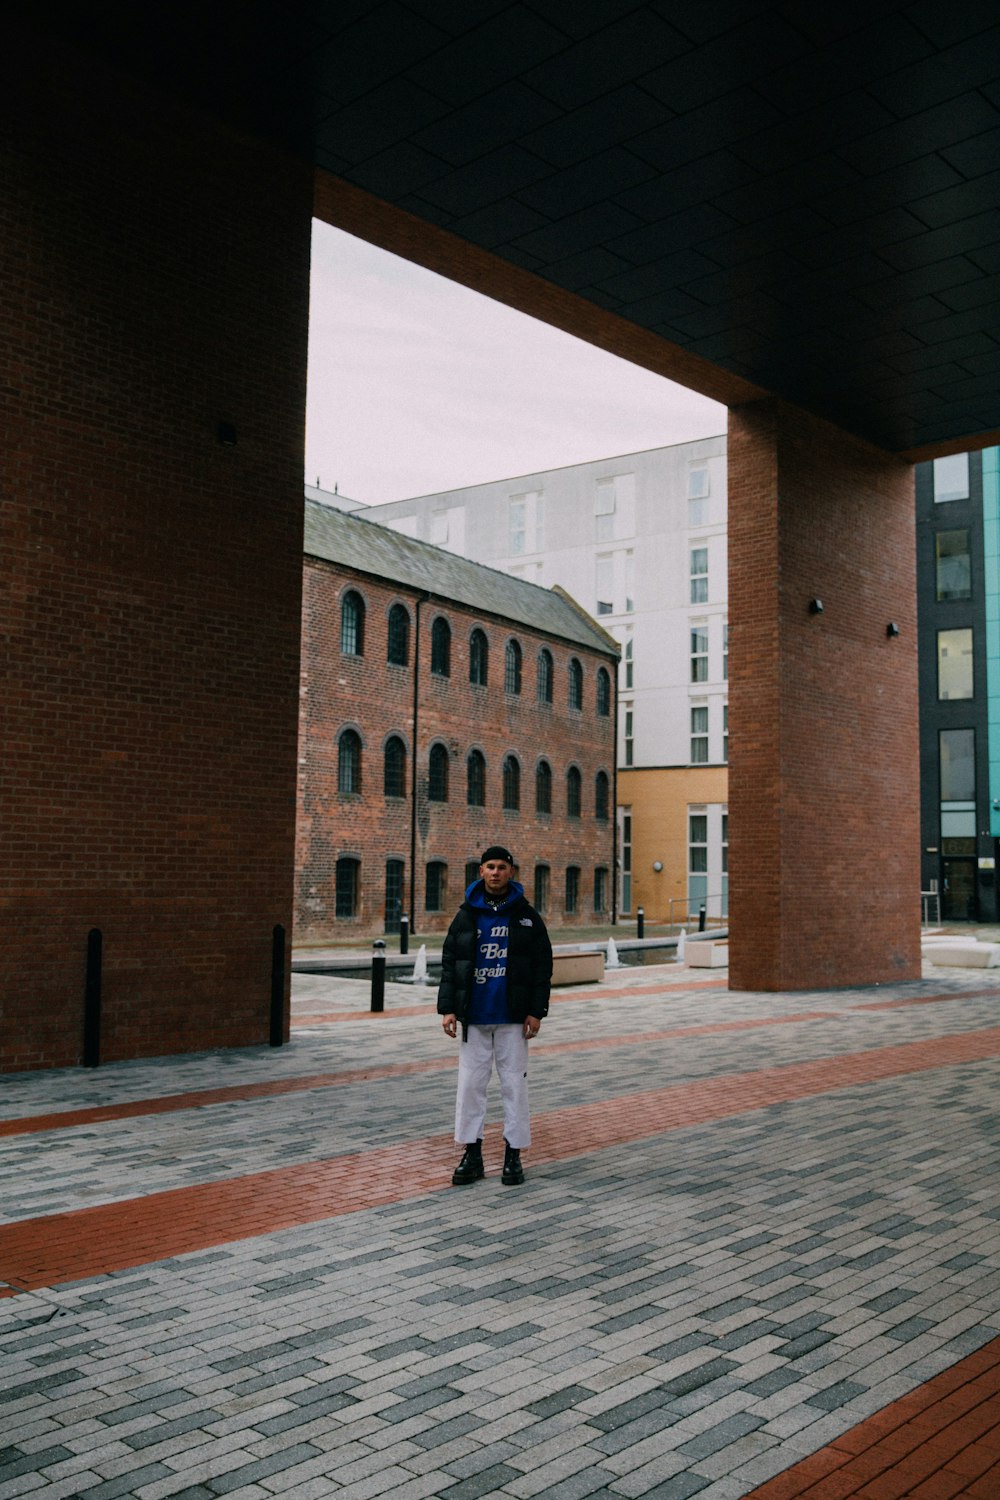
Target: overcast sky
[(418, 385)]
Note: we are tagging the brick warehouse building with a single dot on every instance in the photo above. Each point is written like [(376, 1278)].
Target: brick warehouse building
[(444, 706)]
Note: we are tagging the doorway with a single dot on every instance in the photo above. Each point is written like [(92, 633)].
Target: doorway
[(958, 890)]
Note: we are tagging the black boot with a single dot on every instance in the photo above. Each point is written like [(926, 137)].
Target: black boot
[(470, 1168), (513, 1172)]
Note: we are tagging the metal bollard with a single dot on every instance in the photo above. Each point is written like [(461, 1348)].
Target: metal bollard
[(640, 922), (378, 976), (701, 919), (92, 1000), (404, 933)]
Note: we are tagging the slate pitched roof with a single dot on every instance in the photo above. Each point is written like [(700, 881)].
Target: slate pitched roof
[(355, 542)]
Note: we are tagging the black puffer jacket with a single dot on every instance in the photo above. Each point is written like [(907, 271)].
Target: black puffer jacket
[(529, 963)]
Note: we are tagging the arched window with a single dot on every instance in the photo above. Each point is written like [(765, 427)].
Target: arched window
[(575, 684), (544, 676), (436, 885), (437, 775), (512, 668), (394, 767), (572, 888), (511, 784), (346, 897), (601, 886), (479, 658), (601, 796), (398, 644), (352, 624), (542, 882), (475, 772), (603, 693), (394, 871), (441, 647), (543, 787), (349, 763), (573, 792)]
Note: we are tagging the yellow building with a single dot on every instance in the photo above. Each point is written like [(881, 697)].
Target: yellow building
[(673, 842)]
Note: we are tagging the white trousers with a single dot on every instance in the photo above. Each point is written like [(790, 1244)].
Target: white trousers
[(507, 1047)]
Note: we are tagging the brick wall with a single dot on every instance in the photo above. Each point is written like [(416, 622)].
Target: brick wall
[(824, 812), (156, 285), (376, 699)]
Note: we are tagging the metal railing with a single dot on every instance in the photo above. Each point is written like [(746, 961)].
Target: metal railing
[(930, 902)]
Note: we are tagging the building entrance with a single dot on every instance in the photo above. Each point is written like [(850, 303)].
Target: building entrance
[(958, 890)]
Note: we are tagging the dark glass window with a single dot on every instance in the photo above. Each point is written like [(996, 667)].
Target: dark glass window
[(603, 693), (512, 668), (544, 676), (347, 887), (542, 880), (398, 648), (441, 648), (953, 564), (602, 799), (349, 763), (479, 658), (437, 777), (436, 886), (572, 888), (543, 787), (957, 757), (475, 771), (394, 774), (511, 784), (471, 872), (573, 798), (575, 684), (352, 624), (393, 894)]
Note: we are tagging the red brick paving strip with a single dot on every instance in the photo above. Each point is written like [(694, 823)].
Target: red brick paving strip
[(941, 1440), (87, 1242)]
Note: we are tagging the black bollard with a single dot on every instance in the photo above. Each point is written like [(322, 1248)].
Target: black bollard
[(92, 1000), (404, 933), (378, 976), (640, 922), (277, 1035), (701, 919)]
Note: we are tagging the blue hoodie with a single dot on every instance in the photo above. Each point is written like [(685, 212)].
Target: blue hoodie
[(489, 993)]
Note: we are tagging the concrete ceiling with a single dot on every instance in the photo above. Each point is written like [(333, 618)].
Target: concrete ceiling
[(796, 198)]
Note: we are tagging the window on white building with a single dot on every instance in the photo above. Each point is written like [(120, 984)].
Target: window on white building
[(699, 734), (699, 653), (516, 523), (725, 732), (604, 584), (699, 575), (604, 510), (629, 744), (698, 492)]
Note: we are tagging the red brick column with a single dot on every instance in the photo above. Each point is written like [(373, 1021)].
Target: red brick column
[(155, 301), (824, 765)]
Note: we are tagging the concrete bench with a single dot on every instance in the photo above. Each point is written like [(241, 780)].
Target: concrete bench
[(706, 953), (577, 968), (962, 955)]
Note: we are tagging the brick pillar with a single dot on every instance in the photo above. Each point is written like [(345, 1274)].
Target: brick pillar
[(153, 331), (824, 766)]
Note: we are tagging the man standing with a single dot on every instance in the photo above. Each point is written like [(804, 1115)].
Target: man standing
[(496, 972)]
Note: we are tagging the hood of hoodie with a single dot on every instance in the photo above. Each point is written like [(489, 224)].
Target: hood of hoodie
[(476, 896)]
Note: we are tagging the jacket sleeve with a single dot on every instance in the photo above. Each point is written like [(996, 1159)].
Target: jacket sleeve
[(541, 972), (447, 999)]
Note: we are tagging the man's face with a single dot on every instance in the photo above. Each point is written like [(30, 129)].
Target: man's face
[(496, 875)]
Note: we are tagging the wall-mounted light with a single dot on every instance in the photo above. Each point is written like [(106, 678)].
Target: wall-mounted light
[(892, 628), (657, 865), (815, 606), (226, 433)]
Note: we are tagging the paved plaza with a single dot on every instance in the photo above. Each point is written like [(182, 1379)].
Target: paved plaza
[(757, 1252)]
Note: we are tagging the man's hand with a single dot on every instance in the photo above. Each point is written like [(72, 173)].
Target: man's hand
[(532, 1025), (450, 1024)]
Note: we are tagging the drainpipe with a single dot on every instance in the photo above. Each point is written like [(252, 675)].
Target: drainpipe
[(421, 599)]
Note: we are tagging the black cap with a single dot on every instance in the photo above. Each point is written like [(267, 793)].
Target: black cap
[(497, 851)]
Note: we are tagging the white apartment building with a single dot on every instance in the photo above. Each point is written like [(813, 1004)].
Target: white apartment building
[(639, 540)]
